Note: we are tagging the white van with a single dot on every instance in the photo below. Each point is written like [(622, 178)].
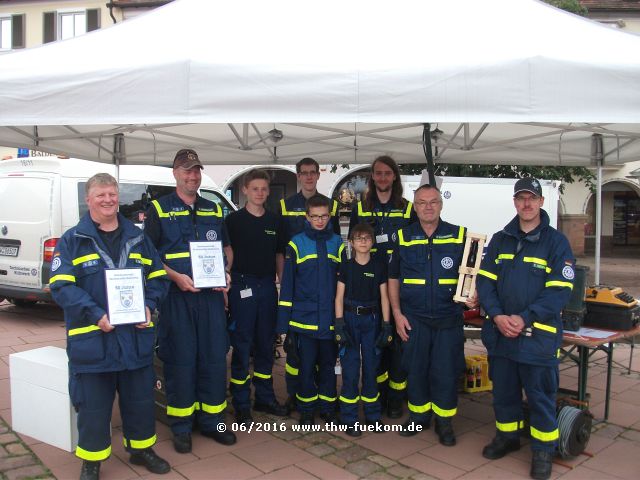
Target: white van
[(42, 197)]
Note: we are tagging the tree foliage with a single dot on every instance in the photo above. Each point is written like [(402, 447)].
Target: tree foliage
[(573, 6)]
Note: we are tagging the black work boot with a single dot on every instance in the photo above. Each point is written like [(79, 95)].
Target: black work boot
[(182, 442), (541, 465), (150, 460), (306, 418), (500, 446), (90, 470), (394, 408), (273, 408), (444, 429)]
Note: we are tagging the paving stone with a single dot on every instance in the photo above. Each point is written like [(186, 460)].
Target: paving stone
[(3, 428), (26, 472), (383, 461), (3, 452), (611, 431), (302, 443), (337, 461), (320, 450), (8, 438), (632, 435), (353, 454), (381, 476), (363, 468), (16, 449), (402, 472), (423, 476), (9, 463), (318, 437), (339, 443), (287, 435)]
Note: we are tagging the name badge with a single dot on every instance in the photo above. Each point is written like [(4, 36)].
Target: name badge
[(246, 293), (384, 238)]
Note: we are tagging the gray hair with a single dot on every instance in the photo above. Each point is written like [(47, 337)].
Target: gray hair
[(101, 179)]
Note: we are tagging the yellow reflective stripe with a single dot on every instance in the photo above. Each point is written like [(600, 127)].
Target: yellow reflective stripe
[(369, 399), (414, 281), (140, 444), (544, 436), (137, 256), (264, 376), (295, 248), (240, 381), (441, 412), (490, 275), (303, 326), (59, 278), (86, 258), (307, 399), (151, 324), (457, 239), (213, 408), (538, 261), (407, 212), (557, 283), (404, 243), (382, 377), (170, 256), (163, 214), (327, 399), (419, 408), (505, 256), (157, 273), (542, 326), (447, 281), (397, 386), (282, 303), (93, 456), (334, 210), (307, 257), (203, 213), (509, 427), (81, 330), (291, 370), (548, 270), (349, 400), (287, 213), (182, 412)]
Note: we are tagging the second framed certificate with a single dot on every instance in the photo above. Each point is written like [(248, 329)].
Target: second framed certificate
[(207, 264)]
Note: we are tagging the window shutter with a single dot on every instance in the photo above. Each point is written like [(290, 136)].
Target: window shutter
[(17, 31), (49, 27), (93, 19)]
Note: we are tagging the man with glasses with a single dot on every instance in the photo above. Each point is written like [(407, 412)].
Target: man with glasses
[(293, 211), (423, 274), (384, 208), (525, 280)]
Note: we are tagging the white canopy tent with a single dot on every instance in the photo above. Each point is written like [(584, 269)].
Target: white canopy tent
[(508, 81)]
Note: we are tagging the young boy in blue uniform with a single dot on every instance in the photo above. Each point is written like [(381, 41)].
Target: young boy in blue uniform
[(361, 298), (305, 313)]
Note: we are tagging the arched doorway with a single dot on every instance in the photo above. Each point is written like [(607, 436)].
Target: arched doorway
[(283, 183), (620, 218)]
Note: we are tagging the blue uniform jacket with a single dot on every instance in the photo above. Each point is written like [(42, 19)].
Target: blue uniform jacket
[(179, 225), (384, 221), (308, 288), (294, 210), (78, 286), (530, 275), (427, 269)]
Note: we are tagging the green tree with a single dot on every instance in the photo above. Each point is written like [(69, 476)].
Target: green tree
[(573, 6)]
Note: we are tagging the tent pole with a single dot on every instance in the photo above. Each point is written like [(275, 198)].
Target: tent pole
[(118, 151), (597, 153)]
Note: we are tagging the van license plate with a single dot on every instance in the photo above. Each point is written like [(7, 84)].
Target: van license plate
[(9, 251)]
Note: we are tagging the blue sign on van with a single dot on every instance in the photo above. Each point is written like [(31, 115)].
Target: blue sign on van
[(23, 152)]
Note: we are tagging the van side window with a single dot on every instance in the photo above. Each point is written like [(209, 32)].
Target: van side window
[(219, 199)]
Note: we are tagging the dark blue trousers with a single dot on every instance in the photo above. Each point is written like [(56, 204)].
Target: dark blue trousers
[(363, 330), (317, 389), (540, 385), (92, 394), (434, 360), (254, 319), (193, 344)]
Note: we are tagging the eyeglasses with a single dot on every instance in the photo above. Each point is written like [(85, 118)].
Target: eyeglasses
[(432, 203), (311, 173), (317, 218), (528, 198), (363, 238)]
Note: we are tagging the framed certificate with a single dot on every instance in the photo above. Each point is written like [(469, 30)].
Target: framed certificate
[(125, 295), (207, 264)]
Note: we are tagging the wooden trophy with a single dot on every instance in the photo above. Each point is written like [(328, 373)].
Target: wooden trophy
[(469, 267)]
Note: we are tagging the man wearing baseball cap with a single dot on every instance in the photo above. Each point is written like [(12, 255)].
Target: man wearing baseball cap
[(192, 329), (524, 281)]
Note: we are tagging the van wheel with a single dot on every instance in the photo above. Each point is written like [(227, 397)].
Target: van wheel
[(22, 303)]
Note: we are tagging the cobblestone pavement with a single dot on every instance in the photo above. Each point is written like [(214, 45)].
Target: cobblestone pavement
[(16, 458)]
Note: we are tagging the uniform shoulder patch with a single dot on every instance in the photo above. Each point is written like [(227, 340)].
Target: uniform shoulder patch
[(568, 273), (211, 235), (55, 264)]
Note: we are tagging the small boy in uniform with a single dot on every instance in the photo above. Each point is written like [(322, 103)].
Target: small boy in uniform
[(305, 313), (361, 300)]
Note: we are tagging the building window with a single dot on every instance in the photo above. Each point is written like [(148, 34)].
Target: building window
[(61, 25), (11, 32)]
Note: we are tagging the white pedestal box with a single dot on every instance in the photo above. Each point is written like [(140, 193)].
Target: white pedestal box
[(40, 404)]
